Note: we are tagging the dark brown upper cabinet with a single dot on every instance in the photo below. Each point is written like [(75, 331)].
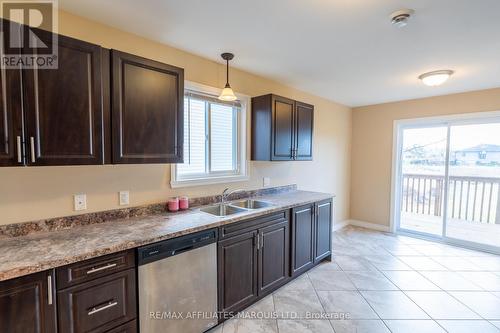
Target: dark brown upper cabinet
[(63, 106), (11, 111), (98, 106), (28, 304), (304, 123), (147, 110), (11, 119), (282, 129)]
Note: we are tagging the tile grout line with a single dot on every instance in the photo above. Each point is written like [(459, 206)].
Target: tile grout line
[(419, 272), (319, 298)]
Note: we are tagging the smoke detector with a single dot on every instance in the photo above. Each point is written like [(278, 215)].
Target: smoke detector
[(400, 18)]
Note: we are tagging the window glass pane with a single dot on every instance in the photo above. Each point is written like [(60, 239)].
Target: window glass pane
[(194, 138), (222, 138)]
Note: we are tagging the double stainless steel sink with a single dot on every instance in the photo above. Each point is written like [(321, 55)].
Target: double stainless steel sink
[(235, 207)]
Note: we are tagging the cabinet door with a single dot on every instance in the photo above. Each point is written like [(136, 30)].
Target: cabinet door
[(237, 266), (283, 128), (304, 117), (302, 239), (323, 230), (147, 110), (11, 131), (64, 106), (273, 256), (27, 304)]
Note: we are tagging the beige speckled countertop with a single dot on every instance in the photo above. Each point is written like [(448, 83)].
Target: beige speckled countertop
[(41, 251)]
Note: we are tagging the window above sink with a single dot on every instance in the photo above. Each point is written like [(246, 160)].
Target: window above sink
[(214, 138)]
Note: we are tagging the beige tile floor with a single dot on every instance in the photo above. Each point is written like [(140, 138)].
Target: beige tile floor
[(381, 283)]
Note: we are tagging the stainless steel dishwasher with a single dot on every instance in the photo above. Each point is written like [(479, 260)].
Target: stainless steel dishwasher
[(178, 284)]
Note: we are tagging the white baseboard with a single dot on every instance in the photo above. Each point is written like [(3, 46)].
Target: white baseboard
[(339, 225), (368, 225)]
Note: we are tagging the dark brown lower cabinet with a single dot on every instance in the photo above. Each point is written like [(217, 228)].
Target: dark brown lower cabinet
[(27, 304), (130, 327), (323, 230), (98, 305), (311, 235), (273, 257), (302, 239), (255, 257), (253, 261), (237, 266)]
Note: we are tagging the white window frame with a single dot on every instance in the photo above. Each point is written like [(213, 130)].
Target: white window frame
[(241, 173)]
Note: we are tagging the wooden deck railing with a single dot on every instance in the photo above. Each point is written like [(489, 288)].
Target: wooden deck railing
[(475, 199)]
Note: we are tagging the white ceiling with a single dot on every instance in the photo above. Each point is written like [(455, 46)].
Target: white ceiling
[(343, 50)]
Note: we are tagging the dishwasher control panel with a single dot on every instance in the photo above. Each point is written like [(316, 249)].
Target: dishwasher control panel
[(174, 246)]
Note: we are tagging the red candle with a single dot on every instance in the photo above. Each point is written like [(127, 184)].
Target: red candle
[(183, 203), (173, 204)]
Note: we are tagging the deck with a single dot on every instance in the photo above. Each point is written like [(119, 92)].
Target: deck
[(482, 233)]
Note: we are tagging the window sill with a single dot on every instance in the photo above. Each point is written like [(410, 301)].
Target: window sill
[(208, 181)]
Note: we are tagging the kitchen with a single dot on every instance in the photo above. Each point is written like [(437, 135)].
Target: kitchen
[(141, 193)]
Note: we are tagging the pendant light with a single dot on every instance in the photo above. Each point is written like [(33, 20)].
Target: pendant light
[(227, 93)]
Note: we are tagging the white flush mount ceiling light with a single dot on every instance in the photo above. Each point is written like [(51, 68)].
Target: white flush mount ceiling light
[(400, 18), (227, 93), (436, 78)]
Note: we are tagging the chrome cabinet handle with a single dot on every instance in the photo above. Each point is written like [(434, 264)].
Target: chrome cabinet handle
[(32, 145), (95, 270), (19, 152), (258, 241), (262, 242), (97, 309), (49, 289)]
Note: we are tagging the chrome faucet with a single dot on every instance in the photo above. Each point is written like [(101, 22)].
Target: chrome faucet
[(226, 193)]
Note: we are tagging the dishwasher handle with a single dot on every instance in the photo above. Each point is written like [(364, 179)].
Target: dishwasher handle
[(184, 249)]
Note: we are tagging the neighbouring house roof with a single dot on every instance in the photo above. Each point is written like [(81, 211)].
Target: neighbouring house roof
[(479, 148)]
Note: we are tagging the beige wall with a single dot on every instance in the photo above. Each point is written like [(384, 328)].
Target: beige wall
[(372, 145), (40, 192)]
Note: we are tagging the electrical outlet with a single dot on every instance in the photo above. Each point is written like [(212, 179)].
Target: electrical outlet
[(124, 198), (266, 181), (80, 201)]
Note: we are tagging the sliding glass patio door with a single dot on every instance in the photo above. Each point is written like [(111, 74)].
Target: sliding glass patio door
[(423, 164), (473, 209), (448, 180)]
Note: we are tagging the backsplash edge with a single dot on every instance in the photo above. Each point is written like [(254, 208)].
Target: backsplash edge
[(67, 222)]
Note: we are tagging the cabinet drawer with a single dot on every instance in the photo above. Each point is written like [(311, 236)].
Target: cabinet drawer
[(98, 305), (235, 229), (130, 327), (90, 269)]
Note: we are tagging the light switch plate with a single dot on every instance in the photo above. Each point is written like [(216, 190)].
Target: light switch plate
[(124, 197), (80, 201), (266, 181)]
